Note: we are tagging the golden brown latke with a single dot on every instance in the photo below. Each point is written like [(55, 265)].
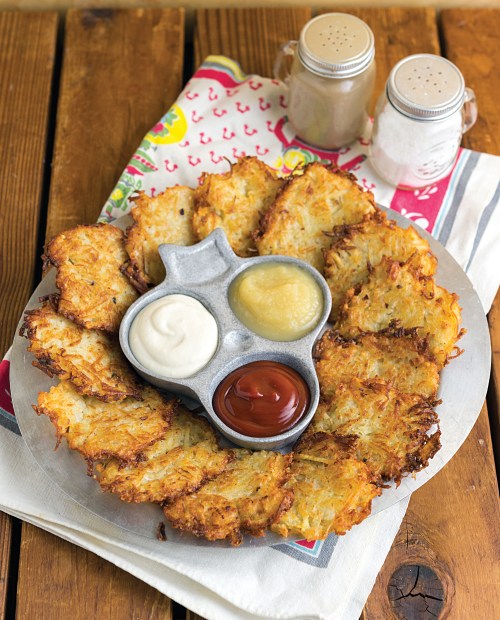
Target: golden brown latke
[(391, 427), (164, 218), (99, 430), (91, 360), (359, 247), (184, 459), (92, 290), (309, 205), (396, 295), (247, 496), (332, 490), (234, 201), (399, 357)]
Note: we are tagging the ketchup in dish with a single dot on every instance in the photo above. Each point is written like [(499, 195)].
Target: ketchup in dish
[(262, 399)]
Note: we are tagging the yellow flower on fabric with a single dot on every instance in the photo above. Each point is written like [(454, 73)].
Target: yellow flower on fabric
[(294, 158), (278, 163), (172, 128), (117, 194)]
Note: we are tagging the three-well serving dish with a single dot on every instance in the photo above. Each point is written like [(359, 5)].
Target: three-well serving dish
[(206, 271)]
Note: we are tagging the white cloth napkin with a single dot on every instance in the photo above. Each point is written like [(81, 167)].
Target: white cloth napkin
[(224, 113)]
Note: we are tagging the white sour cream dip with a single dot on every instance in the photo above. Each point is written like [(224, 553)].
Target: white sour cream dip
[(174, 336)]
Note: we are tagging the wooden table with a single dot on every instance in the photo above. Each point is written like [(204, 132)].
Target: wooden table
[(77, 93)]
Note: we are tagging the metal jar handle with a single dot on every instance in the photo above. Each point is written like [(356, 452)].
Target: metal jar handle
[(470, 109), (281, 72)]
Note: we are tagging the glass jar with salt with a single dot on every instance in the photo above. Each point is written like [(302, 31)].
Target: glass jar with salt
[(419, 121), (331, 79)]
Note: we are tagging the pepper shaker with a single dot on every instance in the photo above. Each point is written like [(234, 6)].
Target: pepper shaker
[(331, 79)]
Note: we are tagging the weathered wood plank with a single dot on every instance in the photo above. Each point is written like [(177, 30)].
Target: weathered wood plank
[(470, 38), (79, 584), (121, 71), (452, 522), (250, 36), (494, 394), (5, 552), (27, 56)]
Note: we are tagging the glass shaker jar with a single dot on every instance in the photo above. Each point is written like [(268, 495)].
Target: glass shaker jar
[(419, 121), (331, 79)]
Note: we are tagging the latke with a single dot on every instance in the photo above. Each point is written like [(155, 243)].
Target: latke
[(390, 427), (164, 218), (357, 248), (91, 360), (399, 357), (309, 205), (99, 430), (234, 201), (247, 496), (332, 490), (185, 458), (92, 290), (396, 295)]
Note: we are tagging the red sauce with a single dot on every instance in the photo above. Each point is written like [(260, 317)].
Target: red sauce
[(262, 399)]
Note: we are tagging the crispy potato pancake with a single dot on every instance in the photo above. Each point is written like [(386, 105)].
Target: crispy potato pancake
[(391, 427), (186, 457), (396, 295), (399, 357), (92, 290), (247, 496), (234, 201), (359, 247), (165, 218), (91, 360), (308, 205), (99, 430), (332, 490)]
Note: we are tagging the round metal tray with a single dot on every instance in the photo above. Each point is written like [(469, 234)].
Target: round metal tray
[(462, 389)]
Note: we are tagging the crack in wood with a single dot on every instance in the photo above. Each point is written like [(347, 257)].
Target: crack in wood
[(416, 592)]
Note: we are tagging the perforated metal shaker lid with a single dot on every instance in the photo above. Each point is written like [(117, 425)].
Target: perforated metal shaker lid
[(426, 87), (336, 45)]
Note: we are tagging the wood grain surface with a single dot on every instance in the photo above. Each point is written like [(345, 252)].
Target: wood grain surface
[(494, 393), (470, 39), (58, 580), (121, 71), (250, 36), (27, 48)]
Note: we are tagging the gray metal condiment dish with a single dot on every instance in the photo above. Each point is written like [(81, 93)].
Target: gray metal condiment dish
[(205, 271)]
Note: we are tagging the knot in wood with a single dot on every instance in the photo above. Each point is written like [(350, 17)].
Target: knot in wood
[(416, 593)]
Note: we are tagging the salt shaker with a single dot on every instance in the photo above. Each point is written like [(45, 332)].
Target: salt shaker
[(331, 79), (419, 121)]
